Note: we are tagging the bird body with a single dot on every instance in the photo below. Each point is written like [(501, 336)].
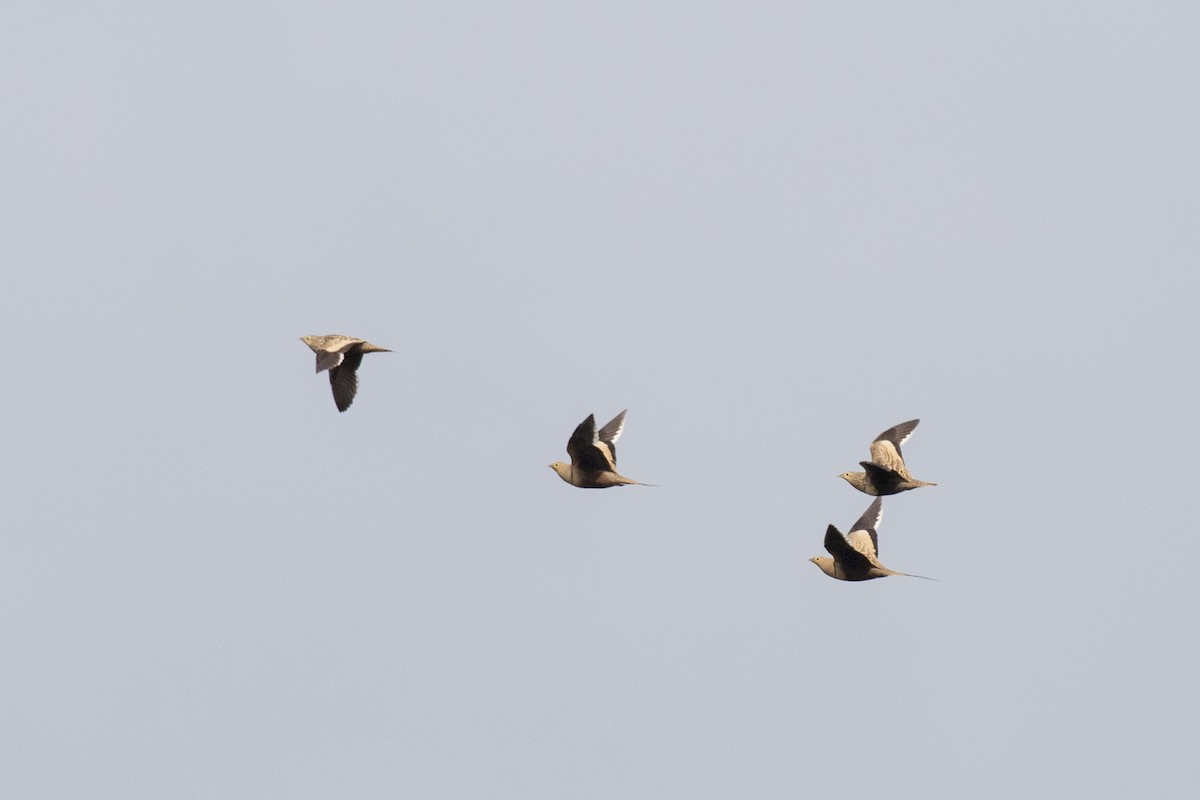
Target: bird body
[(588, 479), (341, 355), (594, 455), (856, 554), (886, 472)]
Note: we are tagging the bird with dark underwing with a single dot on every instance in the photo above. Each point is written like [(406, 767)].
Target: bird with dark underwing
[(594, 456), (856, 554), (341, 355), (886, 472)]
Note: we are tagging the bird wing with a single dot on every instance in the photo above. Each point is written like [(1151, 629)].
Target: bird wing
[(869, 522), (864, 541), (608, 435), (585, 449), (885, 449), (877, 472), (844, 551), (327, 360), (344, 378)]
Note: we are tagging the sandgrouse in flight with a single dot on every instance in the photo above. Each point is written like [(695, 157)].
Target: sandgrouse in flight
[(855, 555), (341, 355), (594, 455), (885, 472)]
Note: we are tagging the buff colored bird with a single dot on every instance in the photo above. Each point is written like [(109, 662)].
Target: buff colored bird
[(341, 355), (855, 555), (886, 472), (594, 456)]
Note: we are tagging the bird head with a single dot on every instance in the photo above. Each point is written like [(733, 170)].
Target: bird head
[(855, 479)]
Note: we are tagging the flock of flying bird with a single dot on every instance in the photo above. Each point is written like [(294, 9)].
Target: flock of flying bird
[(855, 555)]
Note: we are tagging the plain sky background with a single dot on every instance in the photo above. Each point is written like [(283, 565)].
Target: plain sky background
[(769, 230)]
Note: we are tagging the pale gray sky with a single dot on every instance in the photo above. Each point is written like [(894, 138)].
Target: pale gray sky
[(770, 230)]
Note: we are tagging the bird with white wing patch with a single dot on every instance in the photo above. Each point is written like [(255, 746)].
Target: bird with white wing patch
[(594, 456), (886, 472), (856, 554)]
